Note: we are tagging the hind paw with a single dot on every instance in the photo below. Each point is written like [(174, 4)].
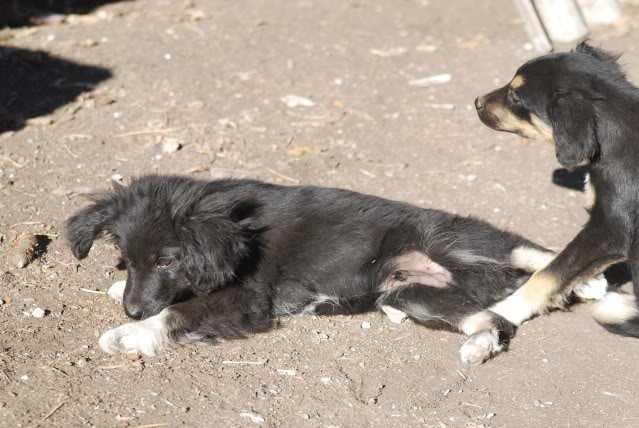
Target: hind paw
[(480, 347)]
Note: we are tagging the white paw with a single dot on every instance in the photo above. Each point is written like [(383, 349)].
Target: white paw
[(394, 315), (480, 347), (616, 308), (594, 289), (116, 291), (147, 337)]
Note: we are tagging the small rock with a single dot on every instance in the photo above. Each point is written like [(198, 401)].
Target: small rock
[(195, 105), (424, 82), (171, 145), (89, 43), (254, 417), (40, 121), (366, 325), (133, 356), (325, 380), (24, 377), (426, 47), (323, 336), (38, 313), (396, 51), (185, 409), (296, 101), (25, 246), (117, 178)]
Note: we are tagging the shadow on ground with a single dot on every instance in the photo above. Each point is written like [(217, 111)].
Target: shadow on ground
[(35, 83), (17, 13)]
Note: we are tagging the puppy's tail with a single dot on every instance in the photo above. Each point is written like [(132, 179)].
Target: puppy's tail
[(619, 314)]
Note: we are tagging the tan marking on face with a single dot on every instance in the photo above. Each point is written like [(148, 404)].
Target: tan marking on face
[(517, 82), (544, 131), (477, 322), (507, 121)]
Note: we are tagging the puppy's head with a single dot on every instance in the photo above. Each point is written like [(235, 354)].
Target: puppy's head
[(555, 98), (177, 239)]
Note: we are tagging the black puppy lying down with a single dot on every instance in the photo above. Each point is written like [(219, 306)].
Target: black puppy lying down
[(221, 259)]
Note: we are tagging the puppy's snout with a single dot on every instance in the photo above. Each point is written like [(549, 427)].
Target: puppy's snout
[(134, 311), (479, 103)]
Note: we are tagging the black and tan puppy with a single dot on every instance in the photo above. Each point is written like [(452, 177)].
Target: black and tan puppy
[(221, 259), (583, 103)]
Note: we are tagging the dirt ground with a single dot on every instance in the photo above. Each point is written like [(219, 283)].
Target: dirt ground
[(117, 90)]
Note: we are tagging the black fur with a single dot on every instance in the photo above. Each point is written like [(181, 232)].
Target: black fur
[(228, 256), (592, 110)]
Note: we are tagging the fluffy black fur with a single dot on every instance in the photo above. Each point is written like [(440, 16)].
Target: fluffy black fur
[(228, 256), (582, 101)]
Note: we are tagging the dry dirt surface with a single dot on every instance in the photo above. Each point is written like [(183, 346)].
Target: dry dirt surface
[(291, 91)]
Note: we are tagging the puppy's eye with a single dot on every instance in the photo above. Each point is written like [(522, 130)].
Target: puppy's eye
[(514, 98), (164, 262)]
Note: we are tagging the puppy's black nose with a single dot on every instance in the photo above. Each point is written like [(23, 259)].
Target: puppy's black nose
[(479, 103), (134, 312)]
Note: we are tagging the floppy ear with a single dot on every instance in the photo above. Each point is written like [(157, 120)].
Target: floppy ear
[(217, 240), (83, 227), (573, 124)]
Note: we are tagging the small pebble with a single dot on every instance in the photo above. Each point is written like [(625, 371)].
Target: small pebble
[(296, 101), (437, 79), (171, 146), (133, 356), (25, 377), (366, 325), (38, 313)]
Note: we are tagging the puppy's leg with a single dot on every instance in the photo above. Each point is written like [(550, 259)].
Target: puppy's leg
[(533, 259), (231, 313), (450, 308), (116, 291), (587, 256), (488, 334), (619, 313)]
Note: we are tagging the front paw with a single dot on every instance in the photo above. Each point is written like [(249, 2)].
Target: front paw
[(147, 337), (116, 291)]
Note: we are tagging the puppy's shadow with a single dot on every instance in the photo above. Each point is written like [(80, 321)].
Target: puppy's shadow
[(35, 83), (17, 13), (573, 180), (43, 242)]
